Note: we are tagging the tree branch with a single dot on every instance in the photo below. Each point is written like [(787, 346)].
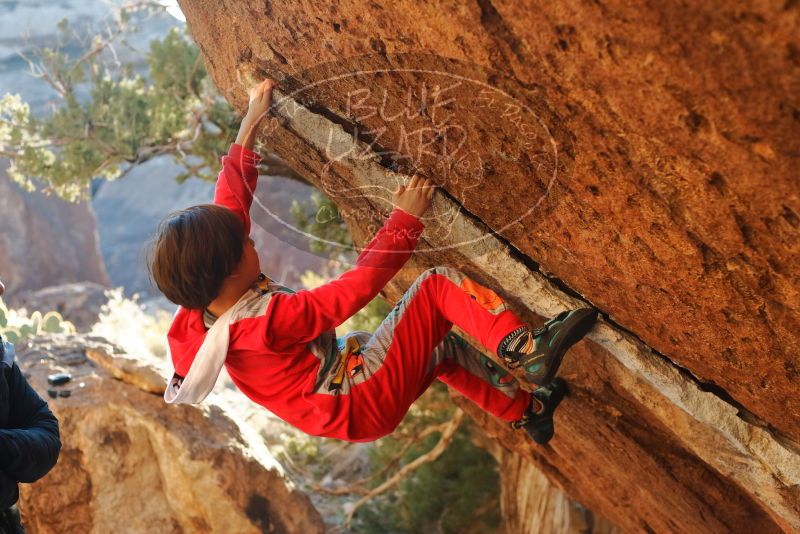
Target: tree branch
[(448, 433), (358, 487)]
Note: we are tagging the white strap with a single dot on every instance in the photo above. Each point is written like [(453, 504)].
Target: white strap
[(207, 364)]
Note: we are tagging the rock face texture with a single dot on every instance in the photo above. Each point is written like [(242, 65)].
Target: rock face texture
[(131, 463), (530, 503), (45, 241), (639, 159)]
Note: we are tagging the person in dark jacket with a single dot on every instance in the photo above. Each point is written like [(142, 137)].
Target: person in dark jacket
[(29, 438)]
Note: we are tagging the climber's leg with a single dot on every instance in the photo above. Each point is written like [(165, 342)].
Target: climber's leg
[(484, 315), (469, 371), (464, 368), (401, 360)]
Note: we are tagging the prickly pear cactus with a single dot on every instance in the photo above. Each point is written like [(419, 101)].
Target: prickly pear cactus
[(54, 323), (17, 326)]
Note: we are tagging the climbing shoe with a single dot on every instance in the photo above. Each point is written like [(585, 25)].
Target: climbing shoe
[(539, 351), (538, 417)]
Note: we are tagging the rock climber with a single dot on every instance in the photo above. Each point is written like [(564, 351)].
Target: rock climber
[(279, 345)]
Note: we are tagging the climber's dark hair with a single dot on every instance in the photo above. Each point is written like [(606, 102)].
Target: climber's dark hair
[(193, 251)]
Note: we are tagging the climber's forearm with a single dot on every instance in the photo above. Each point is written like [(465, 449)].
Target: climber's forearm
[(247, 131), (260, 102)]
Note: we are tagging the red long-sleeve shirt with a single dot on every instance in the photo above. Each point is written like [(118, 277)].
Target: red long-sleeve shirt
[(277, 338)]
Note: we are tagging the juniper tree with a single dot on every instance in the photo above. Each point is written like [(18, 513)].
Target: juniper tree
[(108, 118)]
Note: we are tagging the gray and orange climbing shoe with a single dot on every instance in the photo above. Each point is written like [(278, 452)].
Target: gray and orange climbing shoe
[(539, 351), (538, 417)]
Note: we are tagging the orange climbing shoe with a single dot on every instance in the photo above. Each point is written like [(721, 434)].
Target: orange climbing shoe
[(540, 351)]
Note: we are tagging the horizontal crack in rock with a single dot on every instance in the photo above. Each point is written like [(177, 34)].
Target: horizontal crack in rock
[(771, 468)]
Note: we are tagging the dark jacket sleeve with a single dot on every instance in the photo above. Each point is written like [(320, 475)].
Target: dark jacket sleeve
[(9, 492), (30, 444)]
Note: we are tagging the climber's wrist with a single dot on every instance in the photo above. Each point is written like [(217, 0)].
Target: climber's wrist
[(247, 131)]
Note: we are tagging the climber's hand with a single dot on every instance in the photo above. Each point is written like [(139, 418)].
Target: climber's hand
[(260, 102), (414, 197)]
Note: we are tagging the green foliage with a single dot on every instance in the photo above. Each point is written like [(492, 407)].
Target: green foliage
[(459, 492), (319, 217), (16, 326), (126, 120), (304, 451)]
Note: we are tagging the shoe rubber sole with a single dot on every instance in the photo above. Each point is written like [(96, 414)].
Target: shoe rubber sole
[(544, 431)]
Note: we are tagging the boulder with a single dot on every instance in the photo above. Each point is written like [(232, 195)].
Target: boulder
[(132, 463), (46, 241), (639, 159)]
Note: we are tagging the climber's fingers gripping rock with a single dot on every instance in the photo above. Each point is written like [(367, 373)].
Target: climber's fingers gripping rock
[(414, 197), (260, 102), (261, 98)]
